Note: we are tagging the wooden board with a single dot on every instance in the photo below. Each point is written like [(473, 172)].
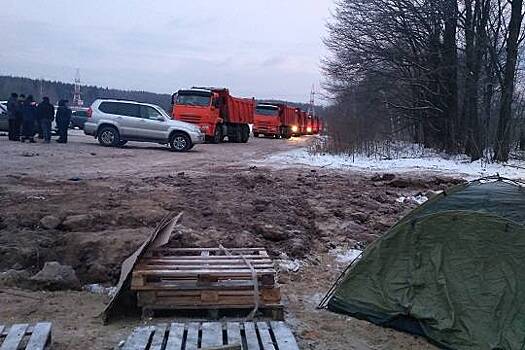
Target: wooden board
[(215, 335), (25, 337)]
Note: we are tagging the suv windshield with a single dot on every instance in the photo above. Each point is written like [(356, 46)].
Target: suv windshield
[(194, 98), (267, 110)]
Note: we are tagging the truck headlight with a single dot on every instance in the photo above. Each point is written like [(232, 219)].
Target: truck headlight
[(308, 129), (295, 128), (205, 127)]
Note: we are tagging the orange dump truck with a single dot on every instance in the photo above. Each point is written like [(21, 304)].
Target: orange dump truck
[(274, 120), (217, 113), (303, 122)]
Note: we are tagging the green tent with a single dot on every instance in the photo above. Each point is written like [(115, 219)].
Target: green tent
[(453, 270)]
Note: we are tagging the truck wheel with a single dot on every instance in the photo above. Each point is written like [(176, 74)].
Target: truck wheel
[(108, 136), (236, 135), (245, 133), (180, 142), (217, 136)]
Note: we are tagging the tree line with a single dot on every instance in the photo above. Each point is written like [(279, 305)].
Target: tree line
[(445, 74), (56, 90)]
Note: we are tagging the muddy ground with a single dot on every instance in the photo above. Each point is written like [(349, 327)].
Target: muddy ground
[(106, 201)]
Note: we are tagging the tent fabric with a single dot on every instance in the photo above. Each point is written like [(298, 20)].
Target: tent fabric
[(452, 270)]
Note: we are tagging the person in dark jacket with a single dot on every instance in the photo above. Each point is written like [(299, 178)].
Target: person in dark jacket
[(28, 120), (18, 116), (45, 115), (12, 106), (63, 119)]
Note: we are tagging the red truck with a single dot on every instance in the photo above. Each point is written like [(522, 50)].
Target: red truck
[(217, 113), (275, 120), (303, 120)]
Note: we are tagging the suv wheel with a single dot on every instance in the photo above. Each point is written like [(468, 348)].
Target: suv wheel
[(109, 136), (180, 142)]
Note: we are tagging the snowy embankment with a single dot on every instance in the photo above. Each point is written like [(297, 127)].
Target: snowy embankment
[(423, 162)]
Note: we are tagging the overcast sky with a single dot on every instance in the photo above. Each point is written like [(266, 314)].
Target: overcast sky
[(264, 49)]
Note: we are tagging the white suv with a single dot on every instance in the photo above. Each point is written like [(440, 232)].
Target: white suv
[(115, 122)]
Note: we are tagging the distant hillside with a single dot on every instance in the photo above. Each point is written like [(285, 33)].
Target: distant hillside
[(56, 90)]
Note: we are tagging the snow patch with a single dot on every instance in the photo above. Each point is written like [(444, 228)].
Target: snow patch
[(346, 256), (100, 289), (418, 199), (289, 265), (415, 162)]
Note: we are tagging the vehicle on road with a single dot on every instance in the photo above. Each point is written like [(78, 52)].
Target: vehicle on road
[(115, 122), (217, 113), (4, 122), (275, 120), (78, 118)]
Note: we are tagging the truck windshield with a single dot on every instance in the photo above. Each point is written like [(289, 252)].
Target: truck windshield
[(193, 99), (267, 110)]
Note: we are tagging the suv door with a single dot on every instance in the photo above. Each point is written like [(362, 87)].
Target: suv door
[(155, 126), (123, 115), (130, 119)]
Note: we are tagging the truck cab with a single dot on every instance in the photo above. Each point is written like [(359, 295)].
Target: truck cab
[(215, 112), (267, 121), (199, 107)]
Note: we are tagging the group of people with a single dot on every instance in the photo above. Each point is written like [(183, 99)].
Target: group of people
[(27, 118)]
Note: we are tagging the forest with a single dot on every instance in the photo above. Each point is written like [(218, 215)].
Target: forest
[(57, 90), (444, 74)]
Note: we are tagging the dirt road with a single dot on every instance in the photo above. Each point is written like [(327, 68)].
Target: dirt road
[(108, 200), (84, 157)]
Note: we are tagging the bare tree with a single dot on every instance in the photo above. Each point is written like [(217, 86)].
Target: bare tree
[(502, 146)]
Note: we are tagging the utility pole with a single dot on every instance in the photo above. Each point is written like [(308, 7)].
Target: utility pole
[(311, 107), (77, 99)]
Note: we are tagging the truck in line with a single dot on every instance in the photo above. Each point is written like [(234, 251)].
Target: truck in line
[(275, 120), (216, 112)]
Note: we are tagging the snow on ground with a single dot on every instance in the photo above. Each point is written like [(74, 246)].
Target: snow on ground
[(346, 256), (420, 162)]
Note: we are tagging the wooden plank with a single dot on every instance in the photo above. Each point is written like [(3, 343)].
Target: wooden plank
[(175, 337), (171, 306), (158, 337), (224, 347), (14, 336), (211, 334), (192, 285), (193, 336), (40, 336), (251, 336), (231, 250), (264, 333), (228, 259), (221, 258), (268, 293), (284, 336), (211, 267), (197, 301), (139, 338), (187, 273), (233, 332)]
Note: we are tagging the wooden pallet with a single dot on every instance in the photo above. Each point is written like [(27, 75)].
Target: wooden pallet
[(25, 336), (171, 278), (213, 335)]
